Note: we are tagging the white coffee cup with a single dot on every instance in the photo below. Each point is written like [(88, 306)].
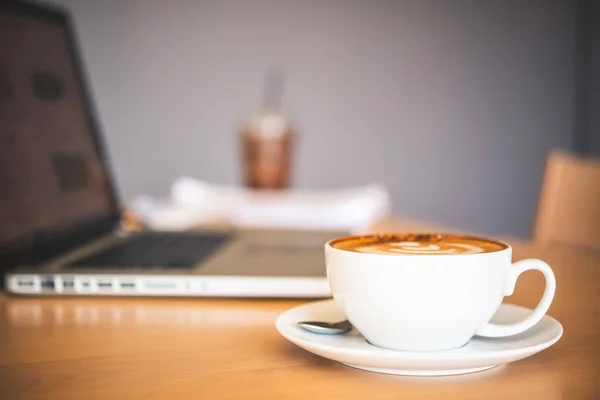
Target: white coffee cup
[(429, 302)]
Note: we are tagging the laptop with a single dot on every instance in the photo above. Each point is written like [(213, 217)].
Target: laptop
[(60, 230)]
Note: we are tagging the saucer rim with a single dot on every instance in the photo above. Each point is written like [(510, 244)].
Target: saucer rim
[(282, 323)]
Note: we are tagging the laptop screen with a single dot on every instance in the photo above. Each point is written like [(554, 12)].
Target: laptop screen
[(52, 176)]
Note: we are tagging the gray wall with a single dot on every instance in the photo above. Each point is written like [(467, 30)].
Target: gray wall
[(453, 104)]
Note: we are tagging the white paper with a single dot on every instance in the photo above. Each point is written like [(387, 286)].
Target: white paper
[(193, 202)]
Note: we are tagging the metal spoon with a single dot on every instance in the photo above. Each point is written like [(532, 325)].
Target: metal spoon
[(326, 328)]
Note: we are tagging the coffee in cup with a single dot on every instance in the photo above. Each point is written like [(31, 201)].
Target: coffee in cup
[(427, 292), (418, 244)]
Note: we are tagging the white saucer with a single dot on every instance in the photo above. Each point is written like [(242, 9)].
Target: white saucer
[(479, 354)]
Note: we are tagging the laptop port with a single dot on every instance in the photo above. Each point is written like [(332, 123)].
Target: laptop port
[(47, 283), (85, 285), (25, 283), (127, 285), (68, 284), (104, 285)]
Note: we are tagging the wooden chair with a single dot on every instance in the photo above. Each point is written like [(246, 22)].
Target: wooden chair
[(569, 207)]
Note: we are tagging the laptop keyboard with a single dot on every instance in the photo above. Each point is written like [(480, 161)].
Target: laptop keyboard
[(156, 250)]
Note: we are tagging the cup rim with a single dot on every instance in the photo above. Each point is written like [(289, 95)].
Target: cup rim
[(330, 244)]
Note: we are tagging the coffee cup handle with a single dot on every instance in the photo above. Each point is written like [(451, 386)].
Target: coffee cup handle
[(514, 271)]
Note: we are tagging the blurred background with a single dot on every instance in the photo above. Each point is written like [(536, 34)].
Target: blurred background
[(453, 105)]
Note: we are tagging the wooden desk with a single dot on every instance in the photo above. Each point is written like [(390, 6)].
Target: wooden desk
[(100, 348)]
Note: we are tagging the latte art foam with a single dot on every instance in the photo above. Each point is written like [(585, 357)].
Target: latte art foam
[(420, 248), (424, 244)]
